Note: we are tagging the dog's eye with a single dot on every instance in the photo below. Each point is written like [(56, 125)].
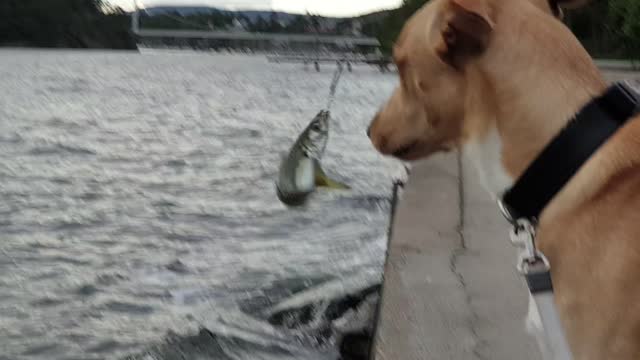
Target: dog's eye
[(402, 67), (401, 63)]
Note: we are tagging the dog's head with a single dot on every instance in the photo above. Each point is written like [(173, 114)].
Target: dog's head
[(435, 56)]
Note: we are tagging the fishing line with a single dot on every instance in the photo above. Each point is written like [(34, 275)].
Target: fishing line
[(334, 86)]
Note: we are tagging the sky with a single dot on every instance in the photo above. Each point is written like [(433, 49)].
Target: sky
[(321, 7)]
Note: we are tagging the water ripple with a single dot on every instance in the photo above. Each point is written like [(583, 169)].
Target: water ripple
[(60, 149)]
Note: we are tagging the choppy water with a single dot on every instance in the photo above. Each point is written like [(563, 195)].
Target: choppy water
[(137, 199)]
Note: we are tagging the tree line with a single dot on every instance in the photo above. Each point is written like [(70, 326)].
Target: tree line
[(64, 23), (174, 20), (607, 28), (224, 20)]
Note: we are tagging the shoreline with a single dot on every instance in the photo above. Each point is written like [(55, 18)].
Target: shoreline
[(71, 49)]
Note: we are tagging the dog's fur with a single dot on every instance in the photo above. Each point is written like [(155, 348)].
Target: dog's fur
[(499, 79)]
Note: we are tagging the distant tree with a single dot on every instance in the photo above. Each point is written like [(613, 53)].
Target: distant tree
[(314, 22), (595, 28), (63, 23), (298, 25), (624, 24), (260, 25), (274, 24), (344, 26), (607, 28), (388, 31), (174, 20)]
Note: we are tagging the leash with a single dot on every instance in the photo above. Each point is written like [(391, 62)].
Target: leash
[(550, 172), (535, 268), (334, 86)]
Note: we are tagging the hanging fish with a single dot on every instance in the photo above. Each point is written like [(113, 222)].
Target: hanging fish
[(301, 171)]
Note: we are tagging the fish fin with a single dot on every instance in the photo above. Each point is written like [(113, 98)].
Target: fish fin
[(322, 180)]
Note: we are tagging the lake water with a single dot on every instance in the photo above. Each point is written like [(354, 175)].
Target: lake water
[(137, 199)]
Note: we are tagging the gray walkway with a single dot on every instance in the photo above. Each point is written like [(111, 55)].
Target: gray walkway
[(451, 290)]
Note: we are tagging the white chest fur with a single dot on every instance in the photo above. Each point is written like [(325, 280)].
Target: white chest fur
[(486, 155)]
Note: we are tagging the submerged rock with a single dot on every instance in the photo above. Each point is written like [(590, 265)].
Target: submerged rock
[(309, 324), (356, 346), (327, 309), (348, 320), (201, 346)]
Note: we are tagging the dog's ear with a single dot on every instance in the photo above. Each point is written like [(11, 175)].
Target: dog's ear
[(466, 31)]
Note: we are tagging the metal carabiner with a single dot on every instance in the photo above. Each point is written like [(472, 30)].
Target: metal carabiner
[(531, 260), (533, 265), (523, 235)]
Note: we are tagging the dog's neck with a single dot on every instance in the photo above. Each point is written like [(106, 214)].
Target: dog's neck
[(511, 141), (518, 107)]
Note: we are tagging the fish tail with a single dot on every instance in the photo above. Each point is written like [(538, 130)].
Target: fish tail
[(322, 180)]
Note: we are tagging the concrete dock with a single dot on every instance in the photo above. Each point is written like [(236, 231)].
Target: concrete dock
[(451, 289)]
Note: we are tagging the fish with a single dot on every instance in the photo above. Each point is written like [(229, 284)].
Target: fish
[(301, 171)]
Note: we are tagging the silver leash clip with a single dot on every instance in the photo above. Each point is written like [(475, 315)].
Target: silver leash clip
[(531, 260), (523, 236)]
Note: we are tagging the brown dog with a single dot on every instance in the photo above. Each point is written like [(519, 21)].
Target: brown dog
[(499, 79)]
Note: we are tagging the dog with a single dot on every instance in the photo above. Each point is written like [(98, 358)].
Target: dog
[(498, 80)]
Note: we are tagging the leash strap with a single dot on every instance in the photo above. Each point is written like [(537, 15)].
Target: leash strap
[(536, 270), (556, 345)]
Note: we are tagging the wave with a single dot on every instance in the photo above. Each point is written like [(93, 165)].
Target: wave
[(60, 149), (306, 325)]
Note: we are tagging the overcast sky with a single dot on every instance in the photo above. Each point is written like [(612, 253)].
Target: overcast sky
[(322, 7)]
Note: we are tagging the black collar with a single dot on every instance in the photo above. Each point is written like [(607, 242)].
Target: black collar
[(566, 154)]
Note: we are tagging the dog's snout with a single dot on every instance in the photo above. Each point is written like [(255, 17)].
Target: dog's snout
[(378, 138)]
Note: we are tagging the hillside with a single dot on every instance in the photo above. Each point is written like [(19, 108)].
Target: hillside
[(63, 23), (210, 18), (187, 11)]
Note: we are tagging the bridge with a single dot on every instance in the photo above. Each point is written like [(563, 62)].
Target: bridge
[(380, 61), (243, 39), (352, 41)]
